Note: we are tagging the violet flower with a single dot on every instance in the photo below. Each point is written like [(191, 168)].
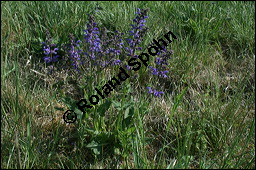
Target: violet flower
[(50, 55), (74, 52), (155, 92), (92, 38)]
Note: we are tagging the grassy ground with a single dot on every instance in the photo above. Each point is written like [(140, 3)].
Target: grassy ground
[(206, 118)]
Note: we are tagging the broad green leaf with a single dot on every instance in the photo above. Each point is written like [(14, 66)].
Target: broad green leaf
[(95, 147), (128, 117), (104, 107)]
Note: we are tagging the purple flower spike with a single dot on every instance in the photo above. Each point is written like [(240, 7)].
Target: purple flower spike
[(149, 90), (138, 30), (50, 54), (117, 62)]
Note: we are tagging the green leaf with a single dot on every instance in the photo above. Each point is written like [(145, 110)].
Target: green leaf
[(129, 112), (104, 107), (72, 106), (116, 104), (95, 147), (93, 144), (79, 113), (130, 130), (69, 102)]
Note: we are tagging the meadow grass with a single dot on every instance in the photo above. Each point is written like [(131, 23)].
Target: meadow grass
[(206, 118)]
